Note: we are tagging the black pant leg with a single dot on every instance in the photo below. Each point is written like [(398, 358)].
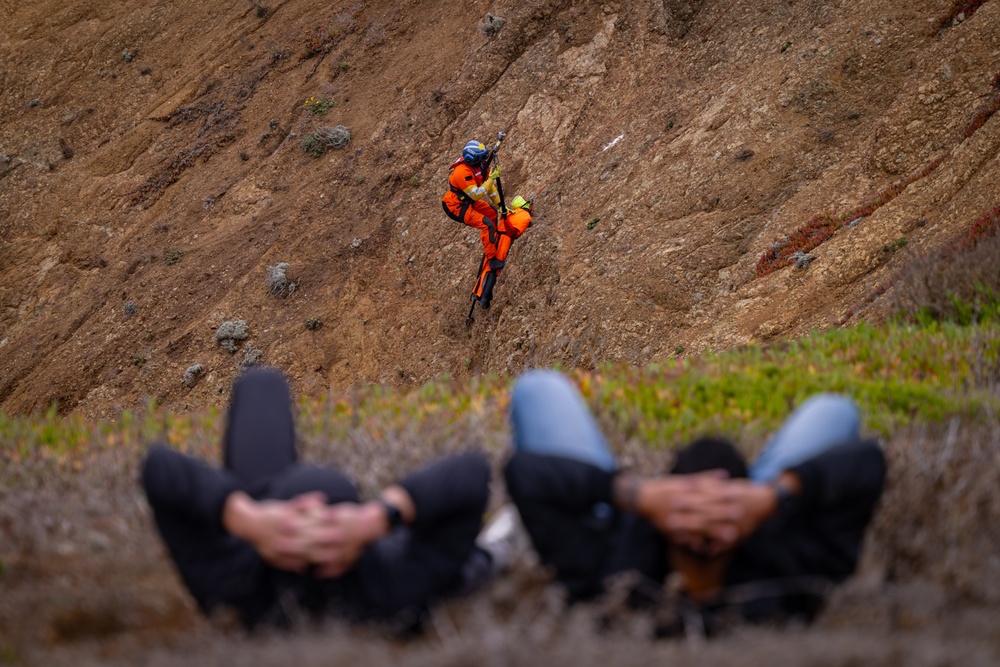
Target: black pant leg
[(260, 435), (565, 507)]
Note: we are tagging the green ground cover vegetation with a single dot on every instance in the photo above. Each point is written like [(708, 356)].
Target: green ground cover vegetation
[(899, 373)]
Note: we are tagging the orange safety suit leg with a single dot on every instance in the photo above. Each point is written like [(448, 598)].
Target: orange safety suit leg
[(483, 217), (478, 214), (489, 248), (490, 269), (511, 226)]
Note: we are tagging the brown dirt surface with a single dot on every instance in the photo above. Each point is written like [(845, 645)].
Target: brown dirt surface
[(151, 172)]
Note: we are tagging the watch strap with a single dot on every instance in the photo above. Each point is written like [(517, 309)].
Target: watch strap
[(782, 493), (392, 513)]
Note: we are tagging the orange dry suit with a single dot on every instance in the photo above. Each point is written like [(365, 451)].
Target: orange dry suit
[(510, 227), (468, 201)]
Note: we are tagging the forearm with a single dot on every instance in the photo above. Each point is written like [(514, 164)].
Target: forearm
[(447, 487), (400, 499), (185, 485), (475, 192), (627, 492), (491, 191), (238, 516), (847, 474)]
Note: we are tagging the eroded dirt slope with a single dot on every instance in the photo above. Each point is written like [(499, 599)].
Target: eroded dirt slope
[(152, 171)]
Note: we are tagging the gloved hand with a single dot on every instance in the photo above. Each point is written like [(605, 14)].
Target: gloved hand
[(495, 172)]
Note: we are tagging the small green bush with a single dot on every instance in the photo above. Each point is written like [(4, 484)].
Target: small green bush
[(898, 244), (319, 106)]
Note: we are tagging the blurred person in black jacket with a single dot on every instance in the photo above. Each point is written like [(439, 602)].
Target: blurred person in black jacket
[(762, 542), (273, 538)]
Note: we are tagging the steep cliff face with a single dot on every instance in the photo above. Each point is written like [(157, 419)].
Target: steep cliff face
[(153, 172)]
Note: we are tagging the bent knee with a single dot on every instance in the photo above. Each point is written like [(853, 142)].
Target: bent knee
[(836, 408), (535, 384), (477, 467)]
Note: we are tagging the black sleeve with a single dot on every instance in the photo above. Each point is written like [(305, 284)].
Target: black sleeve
[(558, 482), (820, 531), (186, 486), (451, 486), (847, 476)]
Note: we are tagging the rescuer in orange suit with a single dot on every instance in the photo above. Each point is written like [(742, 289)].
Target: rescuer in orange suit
[(510, 226), (472, 198)]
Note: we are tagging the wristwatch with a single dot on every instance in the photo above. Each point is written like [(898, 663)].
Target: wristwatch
[(782, 493), (392, 513)]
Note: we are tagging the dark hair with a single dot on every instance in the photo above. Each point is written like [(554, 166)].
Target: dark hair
[(710, 454)]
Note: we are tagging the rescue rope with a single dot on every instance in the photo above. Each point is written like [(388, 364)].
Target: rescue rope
[(624, 109)]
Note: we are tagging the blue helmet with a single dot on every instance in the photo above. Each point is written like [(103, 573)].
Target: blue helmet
[(474, 153)]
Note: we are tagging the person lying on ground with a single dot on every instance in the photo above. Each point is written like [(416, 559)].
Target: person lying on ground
[(762, 543), (272, 537)]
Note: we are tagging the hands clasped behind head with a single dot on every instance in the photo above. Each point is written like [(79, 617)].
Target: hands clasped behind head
[(701, 511), (304, 531)]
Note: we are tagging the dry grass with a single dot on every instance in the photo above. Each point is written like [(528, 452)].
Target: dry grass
[(79, 550), (958, 282), (869, 299), (217, 116)]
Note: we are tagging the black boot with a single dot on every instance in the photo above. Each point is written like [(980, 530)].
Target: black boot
[(491, 279)]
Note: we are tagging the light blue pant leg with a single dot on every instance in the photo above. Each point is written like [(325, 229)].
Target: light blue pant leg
[(823, 421), (548, 416)]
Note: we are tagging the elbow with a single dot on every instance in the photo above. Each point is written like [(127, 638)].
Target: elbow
[(155, 474)]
